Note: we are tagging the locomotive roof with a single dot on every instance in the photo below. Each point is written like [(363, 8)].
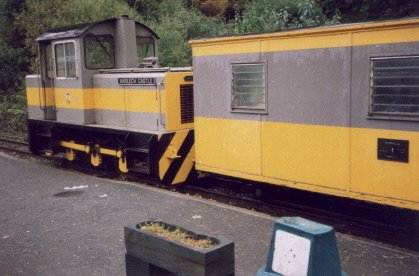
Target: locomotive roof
[(74, 31)]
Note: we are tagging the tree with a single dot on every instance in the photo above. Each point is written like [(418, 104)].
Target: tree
[(274, 15), (58, 13), (362, 10), (13, 62), (213, 7), (148, 9), (176, 28), (9, 33)]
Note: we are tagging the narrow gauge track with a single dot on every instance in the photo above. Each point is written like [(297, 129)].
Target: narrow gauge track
[(379, 223), (15, 147), (376, 222)]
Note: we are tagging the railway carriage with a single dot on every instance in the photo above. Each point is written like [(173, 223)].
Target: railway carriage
[(330, 109), (100, 95)]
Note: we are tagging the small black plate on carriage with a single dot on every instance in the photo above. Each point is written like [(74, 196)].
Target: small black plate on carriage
[(393, 150)]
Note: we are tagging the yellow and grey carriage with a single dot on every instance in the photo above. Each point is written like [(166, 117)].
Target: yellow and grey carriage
[(331, 109)]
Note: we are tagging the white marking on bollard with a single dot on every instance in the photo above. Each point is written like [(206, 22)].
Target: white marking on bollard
[(291, 254)]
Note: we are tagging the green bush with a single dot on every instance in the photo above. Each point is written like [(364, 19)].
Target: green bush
[(13, 111), (263, 16), (176, 25), (13, 67)]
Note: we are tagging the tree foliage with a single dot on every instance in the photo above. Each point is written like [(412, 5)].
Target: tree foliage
[(226, 9), (362, 10), (58, 13), (213, 7), (13, 65), (148, 9), (12, 55), (176, 28), (274, 15)]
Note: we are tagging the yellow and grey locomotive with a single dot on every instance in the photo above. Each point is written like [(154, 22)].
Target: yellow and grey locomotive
[(100, 95)]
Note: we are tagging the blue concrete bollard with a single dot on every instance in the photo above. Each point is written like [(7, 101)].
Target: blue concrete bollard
[(302, 247)]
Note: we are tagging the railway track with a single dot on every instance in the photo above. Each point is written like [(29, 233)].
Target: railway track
[(375, 222), (14, 146), (379, 223)]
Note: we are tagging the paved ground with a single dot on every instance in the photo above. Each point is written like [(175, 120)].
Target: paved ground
[(43, 234)]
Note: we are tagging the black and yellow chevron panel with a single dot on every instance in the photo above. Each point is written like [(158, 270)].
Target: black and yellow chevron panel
[(175, 156)]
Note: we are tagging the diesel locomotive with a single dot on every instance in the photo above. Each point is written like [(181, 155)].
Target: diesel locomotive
[(100, 95), (333, 110)]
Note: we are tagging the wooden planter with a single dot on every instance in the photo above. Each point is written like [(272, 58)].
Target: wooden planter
[(149, 254)]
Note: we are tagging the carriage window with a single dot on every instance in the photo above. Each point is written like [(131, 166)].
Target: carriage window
[(99, 51), (65, 60), (145, 47), (395, 86), (248, 87)]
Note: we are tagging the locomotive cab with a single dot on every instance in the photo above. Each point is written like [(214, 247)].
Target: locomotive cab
[(70, 56), (100, 94)]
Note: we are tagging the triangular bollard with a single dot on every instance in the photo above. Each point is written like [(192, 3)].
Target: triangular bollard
[(301, 247)]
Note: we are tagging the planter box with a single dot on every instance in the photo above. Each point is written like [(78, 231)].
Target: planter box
[(151, 254)]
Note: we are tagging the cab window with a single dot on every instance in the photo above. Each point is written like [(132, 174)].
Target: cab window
[(65, 60), (99, 51), (145, 47)]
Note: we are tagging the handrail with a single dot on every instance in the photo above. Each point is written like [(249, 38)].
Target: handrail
[(38, 78), (54, 106), (159, 91)]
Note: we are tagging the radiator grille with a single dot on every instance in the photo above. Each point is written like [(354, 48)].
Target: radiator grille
[(186, 104), (395, 86)]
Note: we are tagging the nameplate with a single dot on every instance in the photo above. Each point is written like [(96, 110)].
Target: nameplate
[(136, 81)]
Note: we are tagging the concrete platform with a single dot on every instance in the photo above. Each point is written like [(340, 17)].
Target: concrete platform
[(82, 233)]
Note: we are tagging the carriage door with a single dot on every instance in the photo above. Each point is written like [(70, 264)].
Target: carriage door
[(248, 105)]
